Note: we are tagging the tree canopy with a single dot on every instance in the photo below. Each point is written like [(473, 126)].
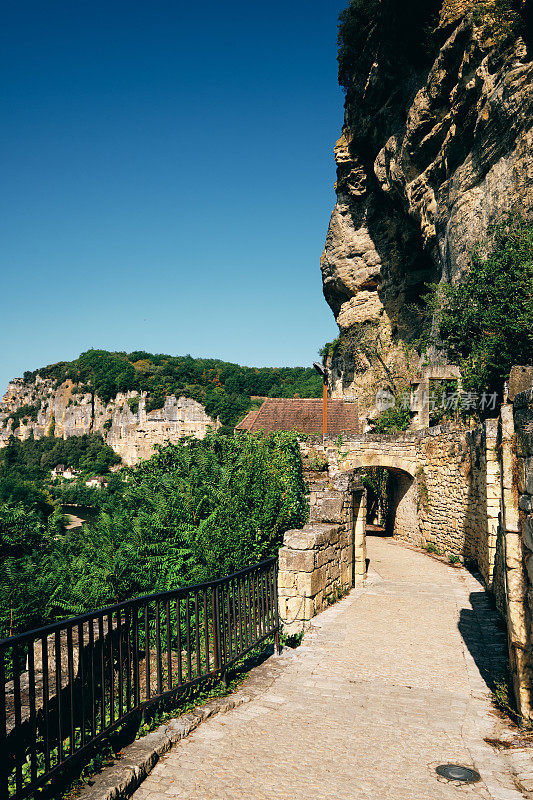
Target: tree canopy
[(196, 510), (223, 388)]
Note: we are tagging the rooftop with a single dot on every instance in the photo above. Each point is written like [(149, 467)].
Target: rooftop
[(302, 416)]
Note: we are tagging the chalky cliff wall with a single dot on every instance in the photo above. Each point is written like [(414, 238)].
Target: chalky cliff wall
[(124, 423)]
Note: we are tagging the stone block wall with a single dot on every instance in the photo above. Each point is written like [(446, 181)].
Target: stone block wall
[(517, 466), (445, 484), (321, 562)]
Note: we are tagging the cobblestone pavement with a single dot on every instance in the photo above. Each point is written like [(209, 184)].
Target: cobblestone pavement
[(387, 687)]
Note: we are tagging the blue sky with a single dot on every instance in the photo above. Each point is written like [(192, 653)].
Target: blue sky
[(167, 174)]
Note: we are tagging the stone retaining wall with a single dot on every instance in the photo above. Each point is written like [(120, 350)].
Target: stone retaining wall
[(321, 562)]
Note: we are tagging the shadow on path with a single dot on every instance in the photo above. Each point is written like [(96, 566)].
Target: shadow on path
[(484, 633)]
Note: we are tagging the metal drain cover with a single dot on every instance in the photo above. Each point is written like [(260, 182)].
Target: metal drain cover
[(455, 772)]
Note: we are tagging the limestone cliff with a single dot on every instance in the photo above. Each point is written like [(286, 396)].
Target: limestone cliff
[(437, 143), (45, 408)]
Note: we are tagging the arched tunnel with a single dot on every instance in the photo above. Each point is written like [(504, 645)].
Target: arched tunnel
[(392, 507)]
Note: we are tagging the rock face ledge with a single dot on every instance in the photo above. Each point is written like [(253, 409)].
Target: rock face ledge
[(434, 148), (127, 427)]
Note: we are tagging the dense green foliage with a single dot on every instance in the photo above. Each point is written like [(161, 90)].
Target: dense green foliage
[(25, 414), (498, 20), (33, 503), (376, 482), (485, 323), (224, 389), (25, 542), (32, 459), (395, 419), (329, 350), (194, 511)]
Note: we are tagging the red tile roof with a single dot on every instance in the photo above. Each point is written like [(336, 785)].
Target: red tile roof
[(302, 416)]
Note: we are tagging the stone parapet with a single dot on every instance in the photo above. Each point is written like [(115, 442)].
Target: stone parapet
[(517, 454), (321, 562)]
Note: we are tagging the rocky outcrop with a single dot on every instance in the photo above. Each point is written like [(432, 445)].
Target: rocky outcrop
[(437, 144), (44, 408)]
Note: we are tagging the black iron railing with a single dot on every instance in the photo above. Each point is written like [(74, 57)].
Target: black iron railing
[(67, 685)]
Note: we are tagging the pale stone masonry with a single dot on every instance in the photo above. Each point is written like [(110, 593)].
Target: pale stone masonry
[(445, 486), (323, 561), (518, 492)]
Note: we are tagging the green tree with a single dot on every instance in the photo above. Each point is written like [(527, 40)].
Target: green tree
[(194, 511), (485, 322)]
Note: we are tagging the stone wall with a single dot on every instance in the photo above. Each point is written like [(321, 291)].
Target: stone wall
[(469, 493), (445, 486), (323, 561), (517, 455)]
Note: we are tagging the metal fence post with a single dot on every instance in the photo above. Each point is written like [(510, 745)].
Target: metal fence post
[(276, 610), (216, 627)]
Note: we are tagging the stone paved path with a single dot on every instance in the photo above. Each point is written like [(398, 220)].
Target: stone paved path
[(384, 690)]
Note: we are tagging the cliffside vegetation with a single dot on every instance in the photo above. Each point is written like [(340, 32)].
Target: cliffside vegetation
[(484, 323), (223, 388), (194, 511), (33, 459), (25, 474)]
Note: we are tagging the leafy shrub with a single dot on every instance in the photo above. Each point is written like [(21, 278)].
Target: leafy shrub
[(485, 323), (395, 419), (25, 413), (194, 511), (499, 20), (133, 403), (329, 349), (26, 546), (33, 459), (376, 482)]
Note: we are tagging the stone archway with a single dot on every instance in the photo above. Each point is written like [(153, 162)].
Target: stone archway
[(402, 513), (402, 517)]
